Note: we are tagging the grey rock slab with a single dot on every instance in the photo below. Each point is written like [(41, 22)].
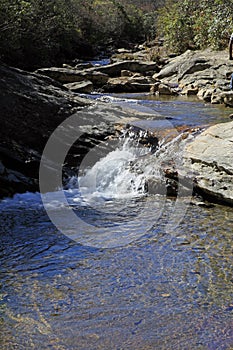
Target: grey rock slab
[(211, 156)]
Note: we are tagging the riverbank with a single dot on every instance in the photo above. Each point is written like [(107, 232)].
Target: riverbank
[(205, 74)]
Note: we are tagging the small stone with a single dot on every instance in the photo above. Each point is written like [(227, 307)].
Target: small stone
[(165, 295), (205, 205)]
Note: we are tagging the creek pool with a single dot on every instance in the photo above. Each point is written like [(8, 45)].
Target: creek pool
[(160, 289)]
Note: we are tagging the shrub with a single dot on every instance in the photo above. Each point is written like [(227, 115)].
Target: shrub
[(192, 24)]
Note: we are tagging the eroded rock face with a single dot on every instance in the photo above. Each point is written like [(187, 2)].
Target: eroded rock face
[(211, 155), (32, 107)]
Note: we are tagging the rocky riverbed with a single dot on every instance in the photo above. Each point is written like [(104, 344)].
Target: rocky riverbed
[(203, 73), (34, 104)]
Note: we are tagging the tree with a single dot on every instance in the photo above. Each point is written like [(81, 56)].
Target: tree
[(35, 32), (191, 24)]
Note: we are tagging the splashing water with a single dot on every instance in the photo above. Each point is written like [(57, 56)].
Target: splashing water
[(124, 171), (112, 176)]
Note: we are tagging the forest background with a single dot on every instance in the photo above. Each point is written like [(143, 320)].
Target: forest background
[(38, 33)]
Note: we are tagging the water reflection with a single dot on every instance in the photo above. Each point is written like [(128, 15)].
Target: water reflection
[(161, 291), (164, 291), (178, 110)]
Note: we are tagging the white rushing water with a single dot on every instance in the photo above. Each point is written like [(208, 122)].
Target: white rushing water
[(112, 176), (119, 175), (124, 171)]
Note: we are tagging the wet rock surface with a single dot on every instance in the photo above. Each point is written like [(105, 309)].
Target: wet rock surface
[(32, 106), (207, 169)]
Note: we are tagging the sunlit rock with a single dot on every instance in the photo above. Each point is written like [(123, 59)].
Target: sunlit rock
[(211, 160)]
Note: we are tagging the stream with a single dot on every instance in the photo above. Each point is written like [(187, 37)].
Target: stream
[(112, 267)]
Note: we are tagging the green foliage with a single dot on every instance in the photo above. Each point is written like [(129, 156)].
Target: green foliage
[(149, 24), (107, 20), (36, 32), (175, 23), (191, 24), (39, 33)]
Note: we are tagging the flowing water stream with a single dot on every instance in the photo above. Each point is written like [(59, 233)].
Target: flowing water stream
[(127, 270)]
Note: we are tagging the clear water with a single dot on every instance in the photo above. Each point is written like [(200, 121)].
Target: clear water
[(142, 272), (177, 110), (101, 62)]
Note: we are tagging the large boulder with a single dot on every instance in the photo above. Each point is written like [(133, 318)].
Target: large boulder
[(135, 83), (114, 69), (174, 66), (211, 155), (188, 63), (205, 73), (68, 75), (32, 106)]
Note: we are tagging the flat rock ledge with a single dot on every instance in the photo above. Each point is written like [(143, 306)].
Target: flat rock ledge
[(211, 155)]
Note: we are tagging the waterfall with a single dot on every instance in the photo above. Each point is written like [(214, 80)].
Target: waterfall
[(129, 167), (113, 176)]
